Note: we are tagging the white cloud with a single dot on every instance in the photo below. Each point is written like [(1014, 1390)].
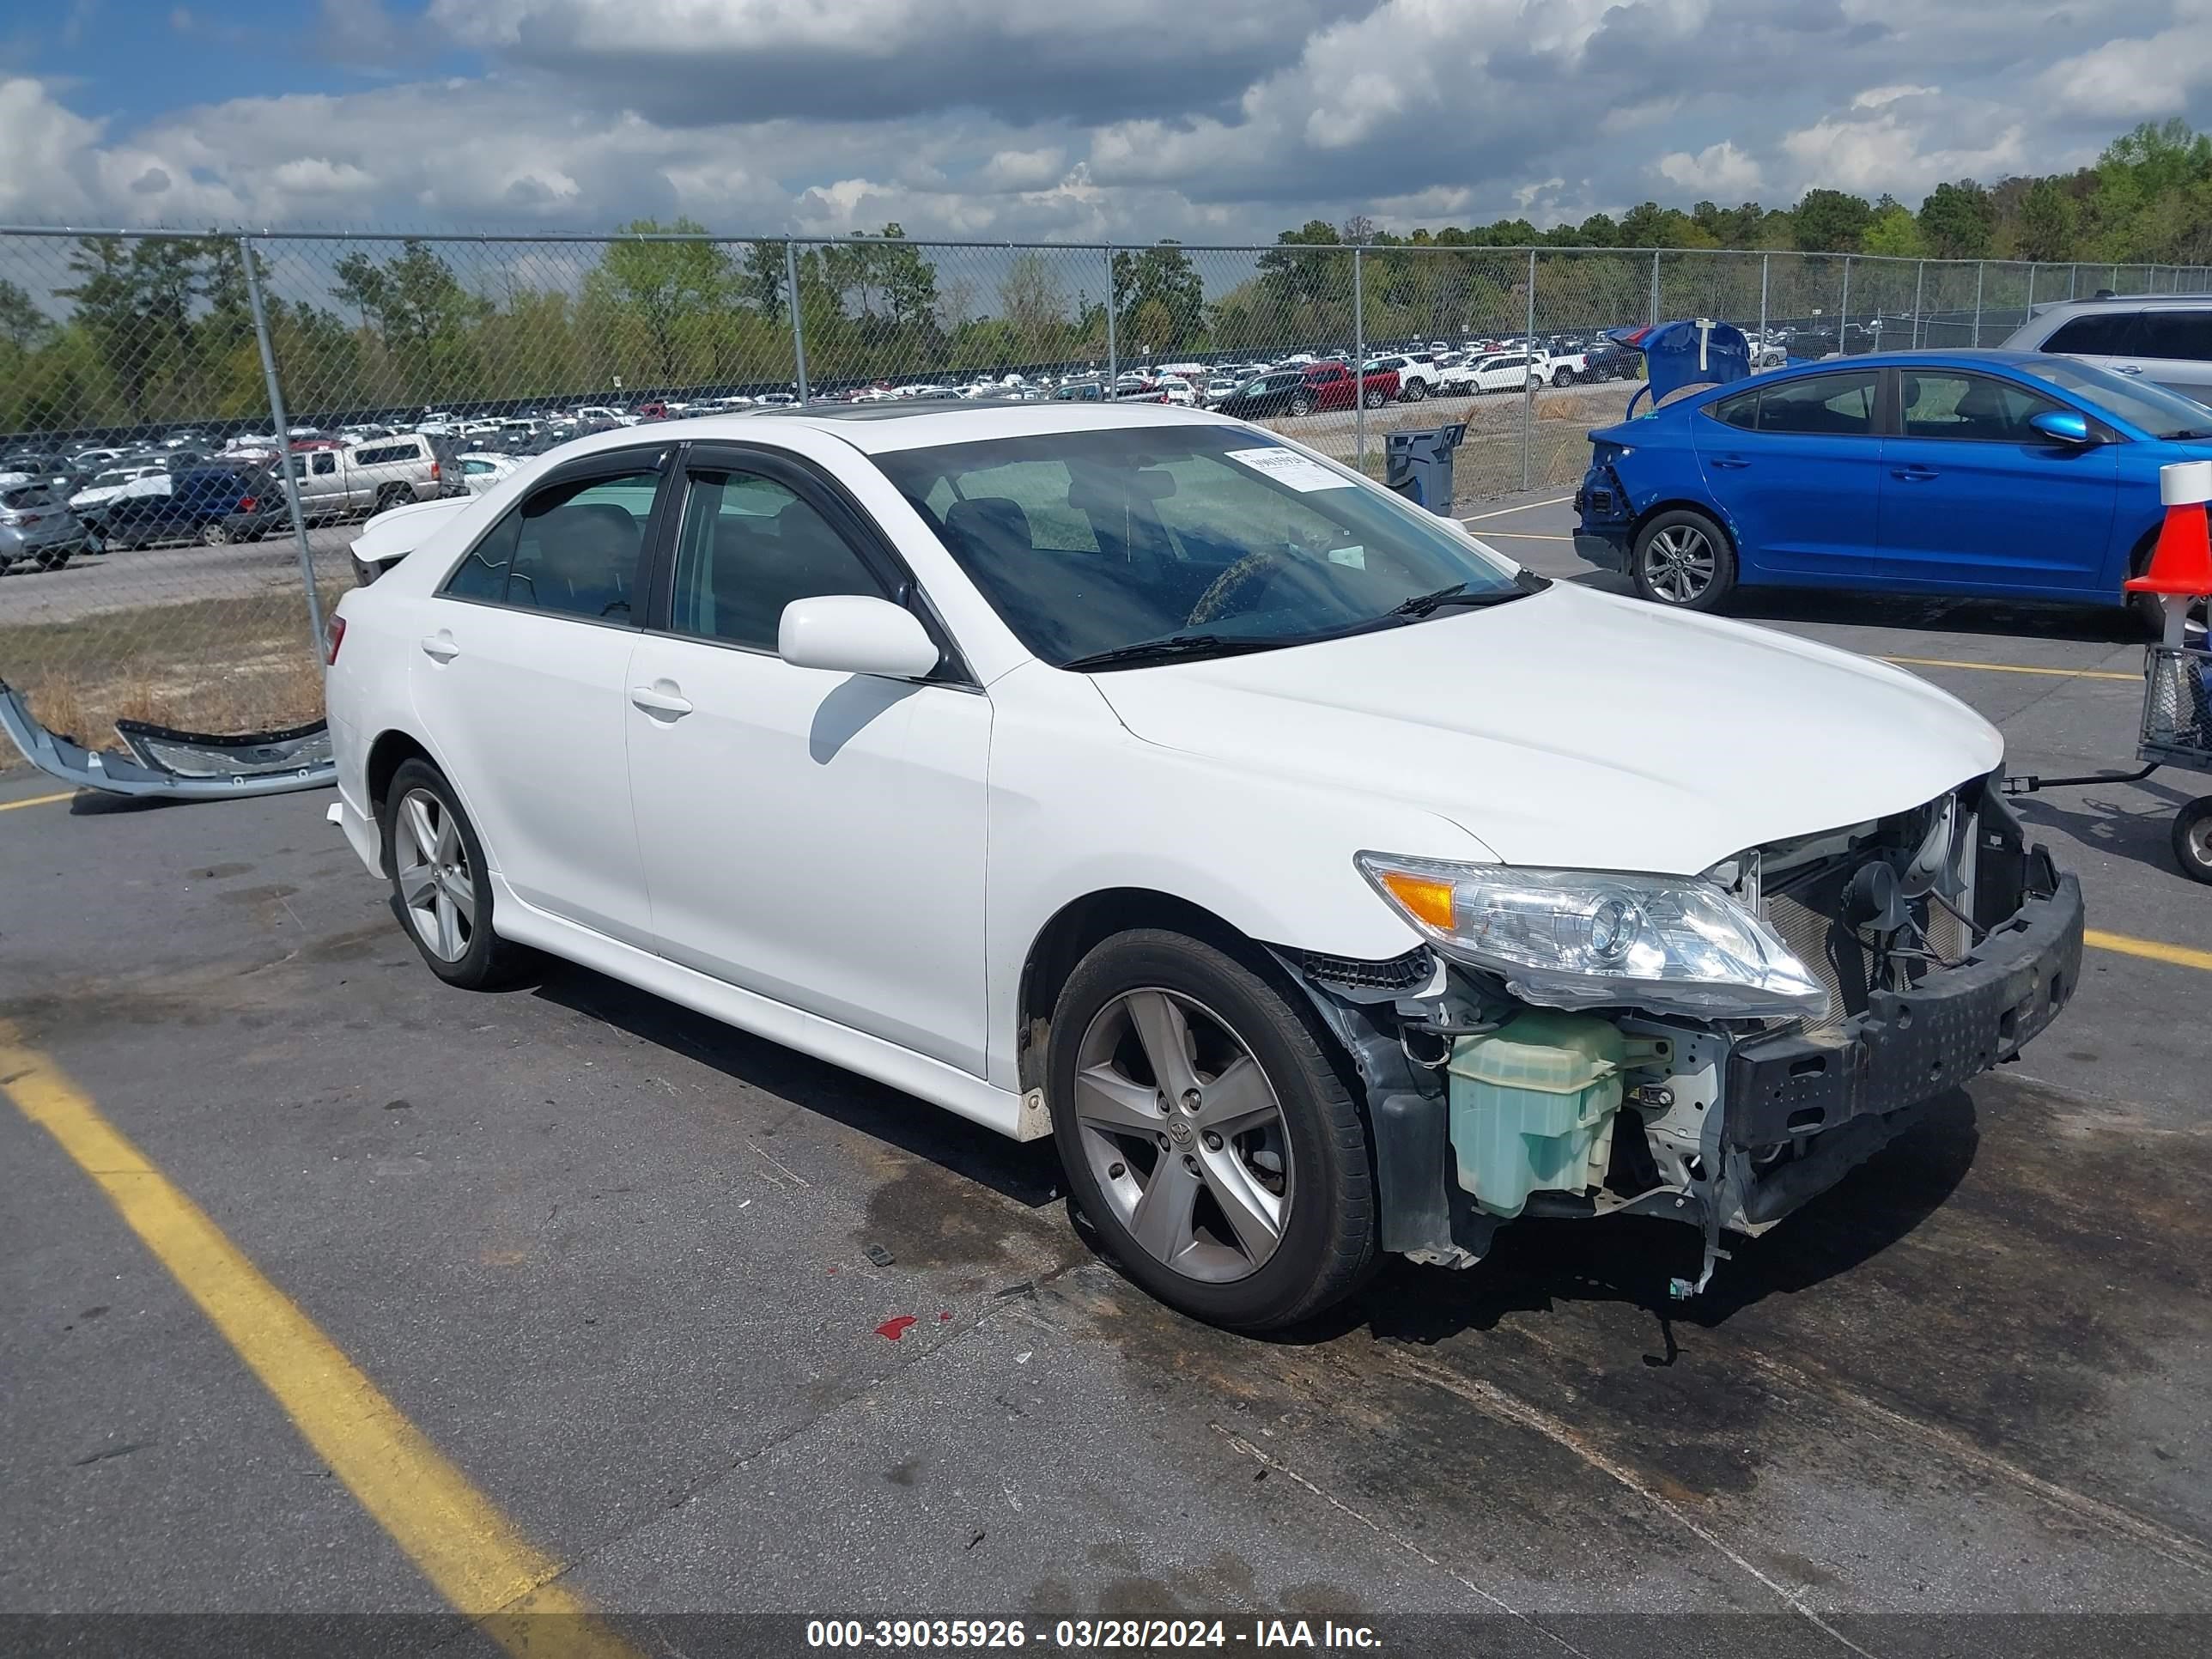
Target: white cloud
[(1717, 170), (1135, 119)]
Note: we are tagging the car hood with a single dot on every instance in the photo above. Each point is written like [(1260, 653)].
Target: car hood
[(1576, 729)]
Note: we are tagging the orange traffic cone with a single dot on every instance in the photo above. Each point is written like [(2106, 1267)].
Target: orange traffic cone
[(2181, 564)]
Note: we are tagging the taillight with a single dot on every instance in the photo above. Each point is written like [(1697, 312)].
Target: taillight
[(436, 476), (246, 506), (337, 639)]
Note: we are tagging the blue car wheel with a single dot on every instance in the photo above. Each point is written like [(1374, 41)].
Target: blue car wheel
[(1682, 560)]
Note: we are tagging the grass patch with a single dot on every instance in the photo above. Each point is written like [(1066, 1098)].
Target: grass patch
[(220, 664)]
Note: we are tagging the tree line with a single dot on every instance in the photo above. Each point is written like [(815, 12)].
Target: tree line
[(159, 330)]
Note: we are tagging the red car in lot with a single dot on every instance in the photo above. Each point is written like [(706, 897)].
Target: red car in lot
[(1334, 385), (1306, 391)]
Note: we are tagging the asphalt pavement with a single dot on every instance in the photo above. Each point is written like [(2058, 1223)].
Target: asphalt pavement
[(640, 1280)]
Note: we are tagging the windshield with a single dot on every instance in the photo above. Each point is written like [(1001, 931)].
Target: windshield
[(2149, 408), (1091, 542)]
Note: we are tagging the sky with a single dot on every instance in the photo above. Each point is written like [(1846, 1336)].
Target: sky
[(1205, 120)]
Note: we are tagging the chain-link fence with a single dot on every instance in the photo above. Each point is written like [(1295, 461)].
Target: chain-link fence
[(188, 423)]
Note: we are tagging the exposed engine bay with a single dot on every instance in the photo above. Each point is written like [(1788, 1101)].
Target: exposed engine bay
[(1944, 940)]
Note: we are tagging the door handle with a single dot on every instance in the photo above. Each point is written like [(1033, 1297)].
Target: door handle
[(1912, 474), (439, 648), (1733, 463), (2129, 368), (657, 701)]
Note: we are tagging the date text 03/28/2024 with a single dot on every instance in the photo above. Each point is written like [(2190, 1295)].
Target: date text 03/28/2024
[(1086, 1634)]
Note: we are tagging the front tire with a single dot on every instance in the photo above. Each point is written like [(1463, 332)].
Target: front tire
[(441, 884), (2192, 839), (1207, 1134), (1682, 559)]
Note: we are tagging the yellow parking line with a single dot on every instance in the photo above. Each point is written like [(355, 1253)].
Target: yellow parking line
[(2180, 956), (2017, 668), (1525, 507), (471, 1552), (37, 801)]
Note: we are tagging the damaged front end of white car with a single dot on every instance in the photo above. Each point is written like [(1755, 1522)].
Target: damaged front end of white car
[(1716, 1049)]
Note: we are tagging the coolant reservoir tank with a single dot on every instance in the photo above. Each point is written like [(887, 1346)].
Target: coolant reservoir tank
[(1532, 1105)]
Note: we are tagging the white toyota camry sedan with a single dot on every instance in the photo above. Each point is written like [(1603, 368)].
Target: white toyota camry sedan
[(1325, 884)]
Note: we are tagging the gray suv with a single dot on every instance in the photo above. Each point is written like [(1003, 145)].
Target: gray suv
[(2164, 337)]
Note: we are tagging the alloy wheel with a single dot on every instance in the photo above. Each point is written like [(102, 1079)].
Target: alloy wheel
[(1679, 563), (435, 884), (1184, 1134)]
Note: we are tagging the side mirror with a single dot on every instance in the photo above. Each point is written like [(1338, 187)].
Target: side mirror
[(2062, 426), (853, 634)]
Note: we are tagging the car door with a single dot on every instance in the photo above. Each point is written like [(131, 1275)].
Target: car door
[(1974, 499), (322, 487), (520, 681), (1796, 467), (815, 837)]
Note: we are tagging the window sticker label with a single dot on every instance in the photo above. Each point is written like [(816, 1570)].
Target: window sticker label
[(1287, 466)]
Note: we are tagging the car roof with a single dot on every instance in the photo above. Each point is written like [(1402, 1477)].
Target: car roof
[(914, 423), (2198, 301)]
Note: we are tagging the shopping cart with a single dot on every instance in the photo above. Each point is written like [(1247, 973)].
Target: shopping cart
[(2177, 732)]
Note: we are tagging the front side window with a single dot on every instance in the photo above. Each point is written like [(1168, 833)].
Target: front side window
[(1740, 412), (571, 549), (749, 547), (1087, 542), (2186, 335), (1821, 405), (1973, 408)]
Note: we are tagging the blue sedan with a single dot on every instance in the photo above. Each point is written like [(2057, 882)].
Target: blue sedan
[(1976, 473)]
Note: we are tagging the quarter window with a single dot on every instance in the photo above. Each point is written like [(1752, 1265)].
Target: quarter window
[(323, 463), (1740, 412), (1823, 405), (749, 548)]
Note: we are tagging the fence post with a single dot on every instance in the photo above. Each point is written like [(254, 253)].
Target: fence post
[(1358, 366), (1113, 350), (1654, 319), (1979, 268), (316, 643), (1528, 392), (797, 328), (2030, 290), (1919, 291), (1764, 260), (2073, 276), (1844, 313)]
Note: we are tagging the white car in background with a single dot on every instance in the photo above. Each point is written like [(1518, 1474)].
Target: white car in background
[(481, 469), (1506, 371), (1135, 777), (121, 483)]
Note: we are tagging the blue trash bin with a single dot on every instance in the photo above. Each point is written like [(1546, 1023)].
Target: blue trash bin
[(1418, 465)]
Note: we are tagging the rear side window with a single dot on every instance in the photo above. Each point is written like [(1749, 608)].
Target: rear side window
[(1821, 405), (2097, 334), (572, 550), (1740, 412), (2183, 334)]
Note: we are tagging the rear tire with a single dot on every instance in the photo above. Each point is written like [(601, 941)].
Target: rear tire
[(441, 884), (390, 496), (1267, 1214), (1414, 393), (1301, 405), (1375, 398), (2192, 839), (215, 533), (1565, 377), (1682, 559), (50, 560)]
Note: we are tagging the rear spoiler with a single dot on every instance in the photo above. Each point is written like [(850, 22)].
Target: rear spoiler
[(391, 536)]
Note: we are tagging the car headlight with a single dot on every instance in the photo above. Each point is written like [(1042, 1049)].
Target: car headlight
[(1582, 938)]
